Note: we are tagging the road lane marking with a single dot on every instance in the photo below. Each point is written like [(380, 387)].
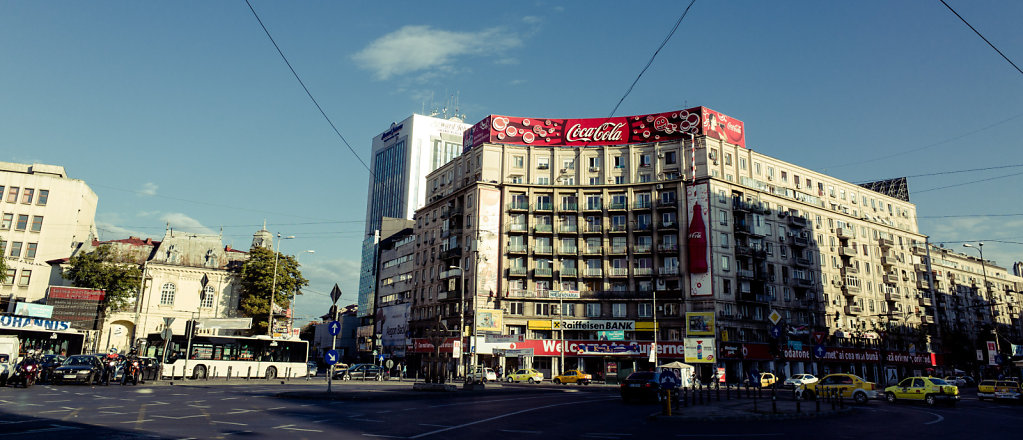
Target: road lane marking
[(12, 422), (511, 414), (229, 423), (368, 420), (230, 398), (938, 420), (243, 411), (292, 428), (57, 401), (53, 411), (179, 418), (435, 426), (729, 435)]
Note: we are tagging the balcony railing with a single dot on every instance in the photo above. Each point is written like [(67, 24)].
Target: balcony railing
[(517, 271), (797, 221), (593, 251), (643, 271), (593, 207), (845, 233), (745, 273), (541, 206), (667, 270), (617, 206), (667, 247), (541, 249), (669, 225), (568, 250), (853, 309), (642, 248), (518, 206), (618, 250), (569, 272), (591, 272), (618, 228), (543, 228), (517, 227), (618, 272), (569, 206), (516, 248), (847, 251), (543, 272), (642, 204), (568, 228)]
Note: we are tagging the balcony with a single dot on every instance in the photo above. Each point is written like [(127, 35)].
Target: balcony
[(569, 272), (521, 205), (543, 206), (569, 206), (802, 262), (925, 301), (800, 241), (592, 229), (753, 297), (741, 228), (673, 271), (618, 272), (887, 261), (847, 251), (797, 221), (451, 253), (543, 229), (667, 248), (919, 267), (670, 203), (568, 229), (618, 250), (745, 274), (517, 227), (545, 272), (617, 206), (593, 251), (919, 249), (802, 282), (921, 283), (568, 250), (516, 249), (543, 249), (642, 248), (642, 204), (642, 271), (449, 295), (891, 279), (618, 229), (893, 296), (517, 271), (885, 242), (851, 289), (593, 207), (853, 310), (668, 225), (593, 273), (850, 270), (741, 206), (642, 227), (845, 233)]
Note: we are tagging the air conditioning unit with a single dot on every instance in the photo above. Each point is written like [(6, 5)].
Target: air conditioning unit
[(660, 154), (770, 177), (564, 170), (660, 186)]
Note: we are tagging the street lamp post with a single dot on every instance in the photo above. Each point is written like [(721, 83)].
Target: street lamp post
[(273, 288), (987, 290), (461, 314)]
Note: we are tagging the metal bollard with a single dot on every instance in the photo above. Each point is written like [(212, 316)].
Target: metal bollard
[(841, 401), (214, 371), (228, 372), (755, 402), (717, 390), (817, 400), (685, 398), (172, 372), (700, 392), (249, 375), (833, 401), (798, 406), (774, 404)]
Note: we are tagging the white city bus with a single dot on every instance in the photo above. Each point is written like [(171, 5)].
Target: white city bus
[(234, 356)]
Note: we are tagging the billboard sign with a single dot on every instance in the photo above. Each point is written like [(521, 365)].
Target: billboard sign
[(33, 310), (393, 325), (593, 324), (699, 323), (700, 264), (638, 129), (490, 320), (611, 335), (700, 350)]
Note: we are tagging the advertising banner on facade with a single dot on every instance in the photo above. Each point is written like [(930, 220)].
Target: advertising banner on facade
[(656, 127), (593, 324), (487, 244), (392, 325), (699, 323), (26, 323), (991, 353), (700, 263), (490, 320), (611, 335), (552, 347), (700, 350), (33, 310)]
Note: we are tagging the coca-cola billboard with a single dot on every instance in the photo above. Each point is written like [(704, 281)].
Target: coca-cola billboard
[(637, 129)]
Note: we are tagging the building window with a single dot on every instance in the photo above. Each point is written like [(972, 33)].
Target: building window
[(728, 158), (28, 195), (543, 180), (619, 180), (594, 162), (594, 181), (10, 276), (37, 223), (619, 162), (515, 308), (541, 309), (22, 222), (724, 240), (15, 249), (644, 178), (593, 310), (207, 299), (12, 194), (726, 287), (167, 294), (44, 195), (517, 161), (568, 164), (645, 310), (568, 310), (543, 163), (742, 163), (26, 276), (618, 310), (644, 160), (670, 157), (723, 217), (30, 251), (724, 263), (7, 221)]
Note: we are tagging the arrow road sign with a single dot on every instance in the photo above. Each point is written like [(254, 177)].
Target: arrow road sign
[(820, 351), (334, 328), (335, 293), (775, 331), (668, 380), (330, 357)]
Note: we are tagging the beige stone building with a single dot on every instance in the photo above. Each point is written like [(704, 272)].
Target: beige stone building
[(44, 215)]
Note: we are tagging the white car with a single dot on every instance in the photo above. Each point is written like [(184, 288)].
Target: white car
[(799, 379), (481, 375)]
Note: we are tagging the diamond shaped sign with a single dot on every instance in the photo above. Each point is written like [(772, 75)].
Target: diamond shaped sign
[(774, 317)]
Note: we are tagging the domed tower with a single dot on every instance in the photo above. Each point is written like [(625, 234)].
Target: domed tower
[(262, 238)]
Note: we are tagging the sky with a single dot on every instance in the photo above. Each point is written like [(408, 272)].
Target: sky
[(183, 113)]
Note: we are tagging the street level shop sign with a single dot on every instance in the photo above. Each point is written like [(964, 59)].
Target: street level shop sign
[(593, 324)]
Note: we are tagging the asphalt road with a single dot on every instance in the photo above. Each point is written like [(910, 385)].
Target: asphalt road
[(375, 410)]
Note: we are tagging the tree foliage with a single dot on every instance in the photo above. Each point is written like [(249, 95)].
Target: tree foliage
[(257, 278), (105, 269), (3, 268)]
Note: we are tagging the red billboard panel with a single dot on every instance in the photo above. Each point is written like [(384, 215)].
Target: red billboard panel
[(656, 127)]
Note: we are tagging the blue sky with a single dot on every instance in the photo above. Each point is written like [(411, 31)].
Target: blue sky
[(182, 112)]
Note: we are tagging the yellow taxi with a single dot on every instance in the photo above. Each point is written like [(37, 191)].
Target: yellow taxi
[(990, 389), (574, 376), (848, 386), (929, 390), (525, 375), (767, 379)]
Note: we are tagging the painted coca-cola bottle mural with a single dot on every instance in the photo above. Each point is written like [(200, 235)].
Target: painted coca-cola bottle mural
[(697, 241)]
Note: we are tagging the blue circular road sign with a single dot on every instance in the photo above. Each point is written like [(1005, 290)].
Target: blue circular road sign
[(668, 380), (331, 357), (334, 328)]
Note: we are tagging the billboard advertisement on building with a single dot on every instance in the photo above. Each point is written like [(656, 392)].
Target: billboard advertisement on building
[(487, 241), (699, 255), (638, 129), (392, 325), (78, 305), (700, 351), (699, 323), (490, 321)]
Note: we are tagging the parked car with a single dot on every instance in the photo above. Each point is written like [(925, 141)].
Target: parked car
[(799, 379), (362, 372), (83, 368), (767, 379), (525, 375), (573, 376), (923, 389), (848, 386), (6, 368), (959, 381), (150, 368), (47, 364), (1008, 390), (481, 375), (989, 389), (643, 386)]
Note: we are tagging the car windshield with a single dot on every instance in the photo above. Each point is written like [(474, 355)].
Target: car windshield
[(643, 375), (78, 360), (937, 381)]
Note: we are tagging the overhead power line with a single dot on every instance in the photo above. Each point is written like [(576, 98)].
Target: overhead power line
[(989, 43), (307, 92), (968, 183), (942, 173)]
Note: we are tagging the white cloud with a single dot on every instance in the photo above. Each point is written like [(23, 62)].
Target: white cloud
[(148, 189), (183, 222), (110, 231), (422, 48), (531, 19)]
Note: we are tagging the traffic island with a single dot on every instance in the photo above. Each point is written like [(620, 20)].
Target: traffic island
[(434, 387)]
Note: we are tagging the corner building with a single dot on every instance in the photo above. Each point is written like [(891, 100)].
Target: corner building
[(660, 227)]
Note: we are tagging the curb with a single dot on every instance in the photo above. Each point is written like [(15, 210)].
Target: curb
[(750, 416)]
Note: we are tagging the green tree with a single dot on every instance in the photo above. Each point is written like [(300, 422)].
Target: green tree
[(3, 267), (106, 269), (257, 276)]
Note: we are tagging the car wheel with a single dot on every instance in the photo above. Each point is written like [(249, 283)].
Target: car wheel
[(860, 398), (531, 380), (890, 397), (378, 378), (346, 377), (557, 381), (199, 372), (929, 400), (271, 373)]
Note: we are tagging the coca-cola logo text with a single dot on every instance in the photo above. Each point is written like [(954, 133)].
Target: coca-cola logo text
[(604, 132), (696, 235)]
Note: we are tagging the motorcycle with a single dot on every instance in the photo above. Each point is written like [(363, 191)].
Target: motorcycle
[(26, 373), (132, 372), (110, 370)]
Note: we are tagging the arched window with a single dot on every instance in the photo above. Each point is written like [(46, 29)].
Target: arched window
[(207, 300), (167, 294)]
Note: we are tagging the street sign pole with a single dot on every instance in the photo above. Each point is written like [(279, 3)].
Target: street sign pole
[(335, 294)]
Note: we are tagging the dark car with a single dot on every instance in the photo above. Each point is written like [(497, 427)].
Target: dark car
[(83, 368), (150, 368), (644, 386), (362, 372), (47, 364)]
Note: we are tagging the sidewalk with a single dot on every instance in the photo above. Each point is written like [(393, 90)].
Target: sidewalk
[(745, 408)]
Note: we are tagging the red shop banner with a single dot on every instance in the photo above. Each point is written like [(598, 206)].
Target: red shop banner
[(423, 345), (656, 127), (552, 347)]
